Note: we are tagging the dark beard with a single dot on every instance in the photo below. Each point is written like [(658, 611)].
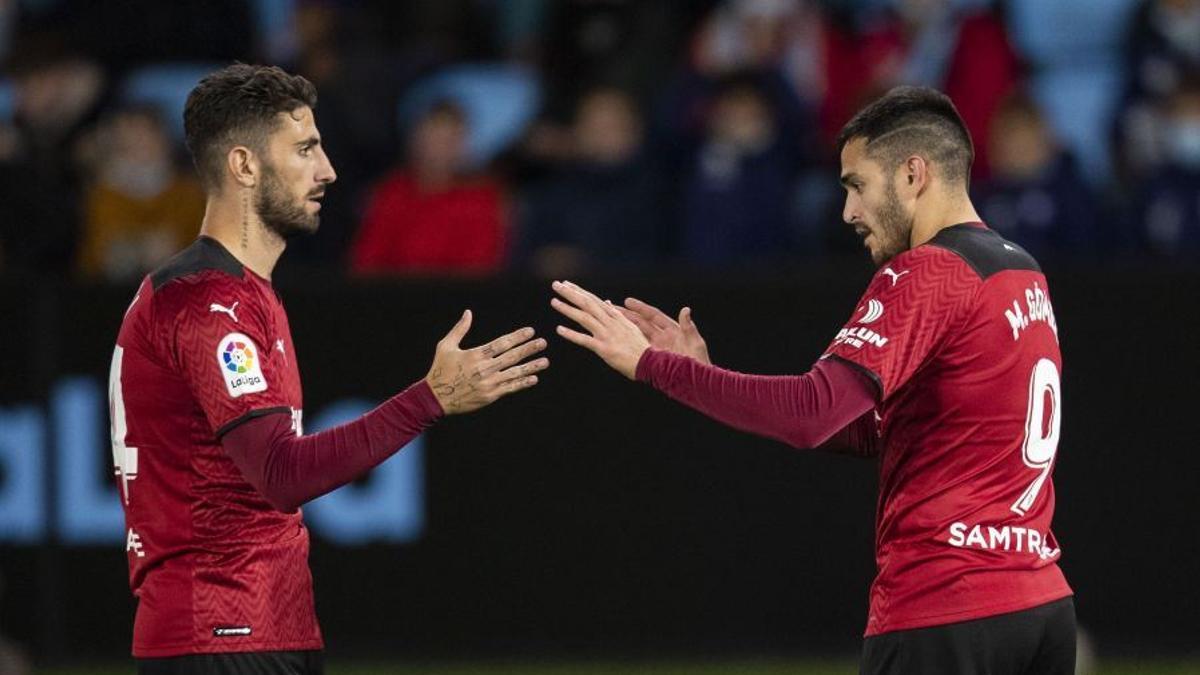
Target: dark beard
[(278, 213), (895, 227)]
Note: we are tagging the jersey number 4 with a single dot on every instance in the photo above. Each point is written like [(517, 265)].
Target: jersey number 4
[(125, 458), (1042, 420)]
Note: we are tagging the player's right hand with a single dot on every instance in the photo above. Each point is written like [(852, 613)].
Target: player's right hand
[(468, 379), (667, 334)]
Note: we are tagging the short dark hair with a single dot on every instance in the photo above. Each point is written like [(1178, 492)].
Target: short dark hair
[(914, 120), (238, 105)]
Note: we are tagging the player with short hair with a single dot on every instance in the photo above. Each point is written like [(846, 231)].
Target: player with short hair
[(206, 403), (948, 371)]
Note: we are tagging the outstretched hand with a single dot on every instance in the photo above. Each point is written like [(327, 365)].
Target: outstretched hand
[(468, 379), (679, 337), (611, 335)]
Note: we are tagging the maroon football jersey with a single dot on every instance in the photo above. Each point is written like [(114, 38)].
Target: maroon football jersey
[(960, 336), (204, 346)]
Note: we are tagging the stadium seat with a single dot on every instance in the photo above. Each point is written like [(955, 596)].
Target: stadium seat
[(275, 23), (1069, 32), (1079, 103), (165, 85), (499, 102)]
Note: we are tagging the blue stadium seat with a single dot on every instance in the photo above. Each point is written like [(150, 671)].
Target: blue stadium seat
[(499, 102), (167, 86), (275, 24), (1075, 47), (1080, 103), (1069, 32)]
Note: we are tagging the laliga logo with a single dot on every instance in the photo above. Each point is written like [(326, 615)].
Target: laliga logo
[(238, 357), (874, 311)]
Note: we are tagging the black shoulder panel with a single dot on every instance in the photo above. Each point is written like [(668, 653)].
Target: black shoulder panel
[(984, 250), (204, 254)]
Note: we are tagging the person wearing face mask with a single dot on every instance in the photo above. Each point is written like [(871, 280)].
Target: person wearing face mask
[(1166, 219), (1162, 50), (139, 209)]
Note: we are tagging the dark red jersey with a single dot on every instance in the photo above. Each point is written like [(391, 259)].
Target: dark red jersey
[(204, 346), (960, 336)]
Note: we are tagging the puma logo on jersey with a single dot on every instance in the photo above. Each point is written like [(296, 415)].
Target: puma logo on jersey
[(894, 274), (214, 307)]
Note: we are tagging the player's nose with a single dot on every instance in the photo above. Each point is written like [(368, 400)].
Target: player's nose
[(849, 213), (325, 172)]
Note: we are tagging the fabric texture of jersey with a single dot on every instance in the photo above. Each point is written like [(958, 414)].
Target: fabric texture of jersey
[(204, 346), (960, 337)]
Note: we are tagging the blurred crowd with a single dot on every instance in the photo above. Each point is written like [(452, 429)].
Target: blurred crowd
[(565, 136)]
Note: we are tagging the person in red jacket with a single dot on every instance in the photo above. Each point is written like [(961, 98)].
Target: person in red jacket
[(427, 217)]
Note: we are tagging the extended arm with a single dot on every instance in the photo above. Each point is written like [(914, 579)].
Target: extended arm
[(289, 470), (804, 411)]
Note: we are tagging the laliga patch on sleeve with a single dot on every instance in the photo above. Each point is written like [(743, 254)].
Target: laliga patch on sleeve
[(241, 365)]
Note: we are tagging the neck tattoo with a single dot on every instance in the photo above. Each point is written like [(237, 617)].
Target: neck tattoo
[(245, 222)]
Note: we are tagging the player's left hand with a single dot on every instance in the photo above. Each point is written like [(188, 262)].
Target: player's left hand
[(610, 334), (464, 380)]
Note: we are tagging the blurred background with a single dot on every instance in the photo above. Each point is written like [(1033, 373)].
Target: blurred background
[(679, 151)]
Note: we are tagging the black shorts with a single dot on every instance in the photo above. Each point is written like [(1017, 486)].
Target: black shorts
[(1040, 640), (248, 663)]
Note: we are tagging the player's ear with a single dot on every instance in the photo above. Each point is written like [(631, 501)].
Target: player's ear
[(243, 165), (915, 174)]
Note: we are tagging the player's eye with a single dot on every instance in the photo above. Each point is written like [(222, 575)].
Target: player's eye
[(305, 150)]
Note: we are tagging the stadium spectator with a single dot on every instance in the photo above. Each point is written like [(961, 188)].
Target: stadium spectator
[(783, 35), (957, 46), (1162, 51), (1167, 212), (601, 209), (427, 217), (57, 95), (739, 182), (629, 44), (139, 210), (1036, 195)]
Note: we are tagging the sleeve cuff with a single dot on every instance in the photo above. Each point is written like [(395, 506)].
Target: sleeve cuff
[(866, 373), (426, 402), (646, 365), (258, 412)]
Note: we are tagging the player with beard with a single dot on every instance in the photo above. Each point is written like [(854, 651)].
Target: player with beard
[(947, 371), (206, 403)]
